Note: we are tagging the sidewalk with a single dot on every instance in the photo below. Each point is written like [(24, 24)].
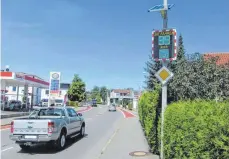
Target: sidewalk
[(129, 138), (10, 114)]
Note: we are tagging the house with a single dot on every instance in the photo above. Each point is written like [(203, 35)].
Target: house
[(223, 57), (117, 95)]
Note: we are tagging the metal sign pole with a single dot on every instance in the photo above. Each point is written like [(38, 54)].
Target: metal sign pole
[(164, 86)]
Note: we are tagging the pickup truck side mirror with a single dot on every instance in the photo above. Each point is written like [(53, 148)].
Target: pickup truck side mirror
[(79, 114)]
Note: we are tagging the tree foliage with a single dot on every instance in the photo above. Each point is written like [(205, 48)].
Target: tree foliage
[(151, 68), (95, 92), (77, 90), (201, 78), (103, 93)]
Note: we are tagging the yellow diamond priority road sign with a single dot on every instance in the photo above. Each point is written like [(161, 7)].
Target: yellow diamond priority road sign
[(164, 75)]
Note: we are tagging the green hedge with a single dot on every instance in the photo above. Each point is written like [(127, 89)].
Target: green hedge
[(147, 110), (73, 103), (130, 106), (196, 130)]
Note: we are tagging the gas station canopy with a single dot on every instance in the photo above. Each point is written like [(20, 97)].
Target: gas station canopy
[(22, 79)]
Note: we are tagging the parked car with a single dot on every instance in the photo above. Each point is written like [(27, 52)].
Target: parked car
[(13, 105), (3, 103), (51, 125), (112, 107)]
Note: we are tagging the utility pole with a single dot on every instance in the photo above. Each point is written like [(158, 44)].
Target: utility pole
[(164, 86), (163, 50)]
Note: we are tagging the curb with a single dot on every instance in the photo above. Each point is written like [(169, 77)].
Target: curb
[(84, 110), (5, 125), (14, 115)]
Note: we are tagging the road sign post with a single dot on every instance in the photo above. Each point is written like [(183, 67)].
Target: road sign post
[(164, 50)]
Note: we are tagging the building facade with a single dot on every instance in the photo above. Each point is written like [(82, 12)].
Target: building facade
[(118, 95), (34, 94)]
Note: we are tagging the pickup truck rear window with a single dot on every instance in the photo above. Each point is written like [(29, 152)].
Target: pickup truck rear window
[(51, 112), (48, 112)]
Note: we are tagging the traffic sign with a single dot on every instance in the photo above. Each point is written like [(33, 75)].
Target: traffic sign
[(164, 75), (164, 45), (159, 7)]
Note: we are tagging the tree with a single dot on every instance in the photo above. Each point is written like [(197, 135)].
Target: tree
[(178, 68), (103, 93), (151, 68), (202, 79), (77, 90), (95, 92)]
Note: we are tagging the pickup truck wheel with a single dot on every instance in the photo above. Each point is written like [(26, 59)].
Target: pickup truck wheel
[(61, 142), (82, 131), (24, 147)]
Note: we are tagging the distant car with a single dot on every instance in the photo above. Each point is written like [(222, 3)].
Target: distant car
[(94, 104), (112, 107), (13, 105)]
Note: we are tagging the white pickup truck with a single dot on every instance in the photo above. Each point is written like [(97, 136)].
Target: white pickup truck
[(51, 125)]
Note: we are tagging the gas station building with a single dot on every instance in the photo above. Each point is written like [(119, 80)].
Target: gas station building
[(16, 85)]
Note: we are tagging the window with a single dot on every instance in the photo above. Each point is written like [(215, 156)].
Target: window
[(58, 101), (51, 112), (63, 113), (71, 112), (14, 89), (44, 100), (46, 92)]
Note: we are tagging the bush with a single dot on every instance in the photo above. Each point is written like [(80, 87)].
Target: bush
[(196, 129), (147, 110), (130, 106), (73, 103)]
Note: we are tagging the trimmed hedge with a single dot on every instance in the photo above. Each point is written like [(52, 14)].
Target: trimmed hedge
[(196, 129), (73, 103), (148, 115), (130, 106)]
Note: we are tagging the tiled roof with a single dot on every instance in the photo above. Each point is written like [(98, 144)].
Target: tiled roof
[(121, 91), (223, 57)]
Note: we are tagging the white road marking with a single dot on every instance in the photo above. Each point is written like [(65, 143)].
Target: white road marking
[(109, 141), (7, 149)]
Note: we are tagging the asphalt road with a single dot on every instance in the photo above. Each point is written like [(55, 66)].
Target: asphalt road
[(100, 125)]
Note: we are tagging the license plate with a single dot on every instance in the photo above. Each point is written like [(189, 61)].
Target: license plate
[(30, 137)]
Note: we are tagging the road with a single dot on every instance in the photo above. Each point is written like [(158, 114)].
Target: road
[(100, 125)]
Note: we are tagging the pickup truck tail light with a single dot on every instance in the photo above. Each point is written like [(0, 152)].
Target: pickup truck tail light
[(50, 127), (12, 127)]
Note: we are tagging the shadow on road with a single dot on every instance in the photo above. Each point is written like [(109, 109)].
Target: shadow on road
[(45, 149)]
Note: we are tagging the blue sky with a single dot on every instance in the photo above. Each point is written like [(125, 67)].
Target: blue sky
[(105, 42)]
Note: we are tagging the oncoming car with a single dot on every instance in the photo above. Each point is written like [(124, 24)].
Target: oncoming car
[(112, 107)]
